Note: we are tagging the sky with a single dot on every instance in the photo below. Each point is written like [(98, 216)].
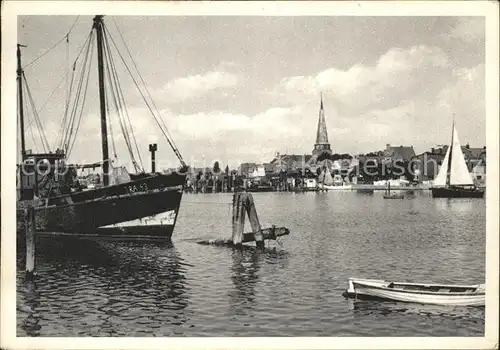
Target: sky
[(239, 89)]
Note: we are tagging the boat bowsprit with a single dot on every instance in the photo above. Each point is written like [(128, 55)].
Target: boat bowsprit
[(440, 294)]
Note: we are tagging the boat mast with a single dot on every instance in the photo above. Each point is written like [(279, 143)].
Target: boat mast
[(21, 104), (98, 25), (448, 172)]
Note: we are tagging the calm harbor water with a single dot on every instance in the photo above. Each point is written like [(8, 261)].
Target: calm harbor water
[(109, 288)]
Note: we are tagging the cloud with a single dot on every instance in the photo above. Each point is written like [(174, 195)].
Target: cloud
[(469, 29), (406, 97), (184, 88), (217, 124), (463, 98), (362, 86), (200, 136)]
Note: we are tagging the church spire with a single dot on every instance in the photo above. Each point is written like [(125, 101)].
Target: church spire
[(322, 144)]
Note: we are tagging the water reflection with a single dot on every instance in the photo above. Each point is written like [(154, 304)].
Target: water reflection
[(459, 205), (104, 286), (101, 288), (246, 264), (363, 308), (30, 302), (245, 268)]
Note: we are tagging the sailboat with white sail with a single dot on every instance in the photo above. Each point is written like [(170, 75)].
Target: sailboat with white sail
[(453, 179), (328, 183)]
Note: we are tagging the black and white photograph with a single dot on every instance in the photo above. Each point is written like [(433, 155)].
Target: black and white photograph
[(268, 175)]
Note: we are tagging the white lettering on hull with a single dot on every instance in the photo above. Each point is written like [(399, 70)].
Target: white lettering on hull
[(165, 218)]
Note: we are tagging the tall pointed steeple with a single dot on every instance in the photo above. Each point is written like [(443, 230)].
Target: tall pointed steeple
[(322, 145)]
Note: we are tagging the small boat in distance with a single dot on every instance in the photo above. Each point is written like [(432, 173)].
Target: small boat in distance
[(453, 179), (388, 194), (440, 294)]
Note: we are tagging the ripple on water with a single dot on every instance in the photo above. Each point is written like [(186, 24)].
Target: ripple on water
[(109, 288)]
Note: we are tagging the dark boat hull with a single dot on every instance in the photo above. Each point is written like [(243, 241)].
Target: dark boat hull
[(145, 208), (105, 215), (140, 184), (456, 192)]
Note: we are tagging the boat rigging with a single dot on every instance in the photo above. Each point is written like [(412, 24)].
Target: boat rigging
[(111, 99), (124, 205)]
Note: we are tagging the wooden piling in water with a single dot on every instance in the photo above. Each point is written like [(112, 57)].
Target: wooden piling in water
[(243, 203), (254, 220), (238, 218), (30, 241)]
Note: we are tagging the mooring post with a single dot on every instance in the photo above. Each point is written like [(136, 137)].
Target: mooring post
[(30, 240), (238, 217), (153, 147), (254, 221)]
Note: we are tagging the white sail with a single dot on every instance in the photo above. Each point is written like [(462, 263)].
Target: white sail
[(440, 179), (328, 180), (459, 174), (321, 177)]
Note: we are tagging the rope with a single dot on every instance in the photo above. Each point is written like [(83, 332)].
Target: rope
[(146, 88), (83, 105), (68, 131), (145, 100), (110, 124), (60, 141), (41, 131), (53, 46), (29, 125), (120, 105), (122, 98), (67, 69)]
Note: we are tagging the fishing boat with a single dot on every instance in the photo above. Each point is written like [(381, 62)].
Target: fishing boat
[(453, 179), (388, 195), (441, 294), (135, 205)]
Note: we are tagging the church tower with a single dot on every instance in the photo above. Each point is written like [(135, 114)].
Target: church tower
[(322, 145)]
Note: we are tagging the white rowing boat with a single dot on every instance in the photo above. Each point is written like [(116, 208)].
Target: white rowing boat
[(442, 294)]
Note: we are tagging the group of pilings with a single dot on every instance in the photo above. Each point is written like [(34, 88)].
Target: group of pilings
[(243, 204)]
